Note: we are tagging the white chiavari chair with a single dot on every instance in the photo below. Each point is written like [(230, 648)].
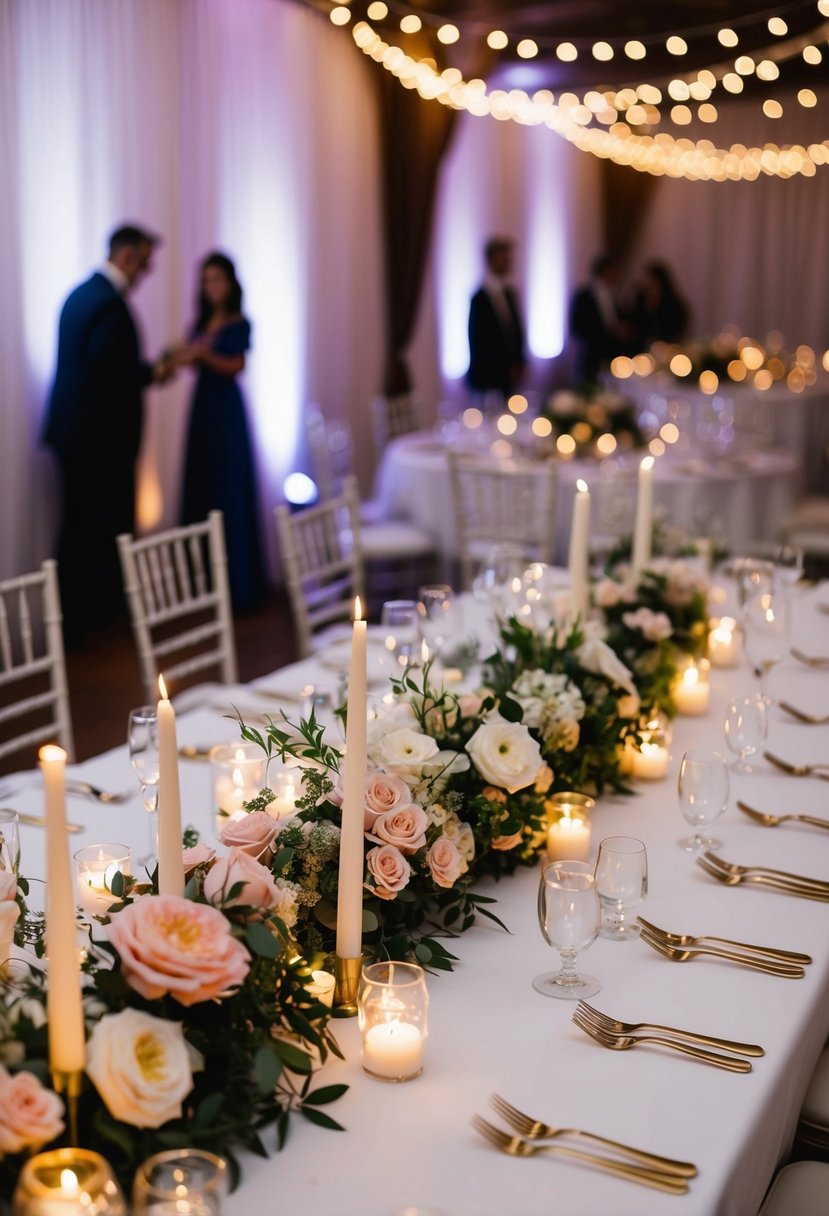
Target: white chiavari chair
[(392, 417), (798, 1189), (501, 504), (178, 595), (322, 562), (31, 656)]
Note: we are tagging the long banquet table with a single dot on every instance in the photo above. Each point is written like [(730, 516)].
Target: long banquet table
[(737, 500), (411, 1145)]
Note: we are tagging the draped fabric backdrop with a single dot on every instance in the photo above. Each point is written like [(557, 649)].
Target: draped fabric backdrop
[(252, 125)]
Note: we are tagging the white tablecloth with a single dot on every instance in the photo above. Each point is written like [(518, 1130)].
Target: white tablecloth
[(735, 501), (412, 1144)]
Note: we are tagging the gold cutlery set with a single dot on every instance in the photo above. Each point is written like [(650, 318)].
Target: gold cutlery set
[(779, 880), (773, 821), (799, 770), (680, 947), (529, 1137)]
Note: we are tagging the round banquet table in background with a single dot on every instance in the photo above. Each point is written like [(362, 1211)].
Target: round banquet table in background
[(735, 501)]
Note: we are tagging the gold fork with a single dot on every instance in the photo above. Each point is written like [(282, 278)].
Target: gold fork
[(614, 1026), (684, 954), (811, 660), (798, 770), (773, 821), (515, 1146), (732, 867), (802, 716), (688, 939), (624, 1042), (763, 880), (534, 1129)]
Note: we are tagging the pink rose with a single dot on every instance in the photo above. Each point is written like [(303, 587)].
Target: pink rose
[(171, 945), (30, 1114), (259, 890), (384, 793), (405, 828), (253, 834), (445, 862), (8, 885), (469, 704), (198, 855), (389, 869)]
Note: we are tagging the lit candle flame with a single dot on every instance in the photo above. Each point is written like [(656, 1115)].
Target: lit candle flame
[(68, 1183), (581, 486), (162, 688), (358, 609), (647, 462), (51, 753)]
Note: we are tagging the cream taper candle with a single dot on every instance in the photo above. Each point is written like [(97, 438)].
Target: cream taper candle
[(580, 549), (170, 863), (352, 853), (67, 1052), (643, 527)]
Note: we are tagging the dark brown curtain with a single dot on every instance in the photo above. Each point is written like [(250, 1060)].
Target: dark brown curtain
[(626, 196)]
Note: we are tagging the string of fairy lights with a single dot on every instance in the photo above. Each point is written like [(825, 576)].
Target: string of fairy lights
[(620, 123)]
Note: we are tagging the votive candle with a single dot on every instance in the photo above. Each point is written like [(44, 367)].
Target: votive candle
[(691, 690)]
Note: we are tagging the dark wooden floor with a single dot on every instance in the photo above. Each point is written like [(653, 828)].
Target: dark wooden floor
[(104, 681)]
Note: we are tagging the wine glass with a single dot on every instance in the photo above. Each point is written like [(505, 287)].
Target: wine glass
[(568, 913), (9, 840), (399, 619), (436, 615), (142, 743), (766, 629), (703, 795), (622, 883), (788, 564), (746, 723), (754, 576)]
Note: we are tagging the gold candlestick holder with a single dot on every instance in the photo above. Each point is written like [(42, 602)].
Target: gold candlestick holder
[(346, 985), (68, 1085)]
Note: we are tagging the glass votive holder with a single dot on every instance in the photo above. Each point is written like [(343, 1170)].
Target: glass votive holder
[(392, 1012), (238, 775), (181, 1182), (568, 826), (65, 1182), (96, 866), (725, 642), (649, 761), (691, 690), (286, 784)]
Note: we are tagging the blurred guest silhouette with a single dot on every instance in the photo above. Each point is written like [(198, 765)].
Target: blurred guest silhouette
[(219, 470), (496, 331), (659, 312), (94, 424), (598, 324)]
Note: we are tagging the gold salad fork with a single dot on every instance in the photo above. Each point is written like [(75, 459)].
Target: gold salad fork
[(688, 939), (621, 1042), (798, 770), (811, 660), (535, 1129), (819, 884), (772, 821), (515, 1146), (802, 716), (684, 954), (614, 1026), (764, 880)]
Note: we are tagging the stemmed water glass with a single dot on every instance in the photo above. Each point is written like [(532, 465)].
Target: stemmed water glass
[(703, 796), (754, 576), (436, 615), (788, 564), (746, 723), (399, 619), (142, 743), (568, 913), (622, 884), (766, 628)]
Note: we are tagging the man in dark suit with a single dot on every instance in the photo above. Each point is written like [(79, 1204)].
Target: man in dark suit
[(93, 424), (597, 324), (496, 331)]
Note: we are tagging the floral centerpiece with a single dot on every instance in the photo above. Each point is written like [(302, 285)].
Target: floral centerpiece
[(653, 620), (586, 417), (453, 791), (578, 699), (201, 1029)]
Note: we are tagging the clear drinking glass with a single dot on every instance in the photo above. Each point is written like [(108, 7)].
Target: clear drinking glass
[(766, 629), (621, 883), (788, 564), (142, 743), (399, 619), (9, 840), (568, 913), (754, 575), (746, 723), (436, 615), (703, 796), (183, 1180)]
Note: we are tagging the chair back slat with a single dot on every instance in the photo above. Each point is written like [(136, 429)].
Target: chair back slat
[(171, 580), (31, 655), (393, 417), (322, 561)]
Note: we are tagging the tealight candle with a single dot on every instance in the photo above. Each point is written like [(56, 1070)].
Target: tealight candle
[(287, 786), (724, 642), (97, 865), (650, 760), (568, 838), (393, 1051), (238, 775), (691, 690), (393, 1014), (67, 1182)]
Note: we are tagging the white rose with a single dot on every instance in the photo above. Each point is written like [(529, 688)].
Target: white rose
[(506, 754), (596, 656), (141, 1066), (404, 751)]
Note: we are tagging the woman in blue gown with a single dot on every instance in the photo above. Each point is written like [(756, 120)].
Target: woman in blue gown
[(219, 471)]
